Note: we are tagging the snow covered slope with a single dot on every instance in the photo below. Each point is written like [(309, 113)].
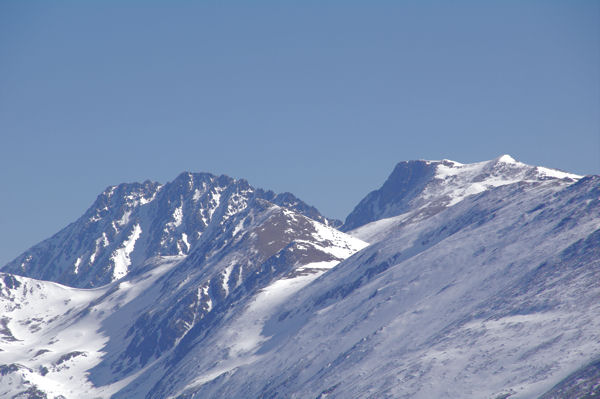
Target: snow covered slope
[(225, 271), (494, 297), (83, 343), (129, 223), (52, 334), (424, 188)]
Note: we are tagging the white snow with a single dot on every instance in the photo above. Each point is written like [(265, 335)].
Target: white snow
[(215, 201), (462, 180), (557, 173), (336, 243), (325, 265), (137, 198), (245, 335), (226, 274), (124, 218), (103, 240), (209, 302), (506, 159), (442, 171), (377, 230), (77, 263), (49, 321), (238, 227), (236, 204), (120, 257), (35, 322), (198, 193), (178, 216), (184, 238)]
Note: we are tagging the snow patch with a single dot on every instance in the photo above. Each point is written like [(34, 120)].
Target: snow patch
[(215, 202), (226, 274), (120, 257), (77, 263), (337, 243), (124, 219), (178, 216), (103, 240), (557, 173), (197, 195), (238, 227), (506, 159), (184, 238), (209, 303)]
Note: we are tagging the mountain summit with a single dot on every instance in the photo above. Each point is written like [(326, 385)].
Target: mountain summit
[(431, 186)]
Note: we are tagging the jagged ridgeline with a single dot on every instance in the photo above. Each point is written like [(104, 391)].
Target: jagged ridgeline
[(130, 223)]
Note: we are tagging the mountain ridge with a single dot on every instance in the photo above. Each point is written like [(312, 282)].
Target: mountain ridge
[(431, 186), (131, 222)]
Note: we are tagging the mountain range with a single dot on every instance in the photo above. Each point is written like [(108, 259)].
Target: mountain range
[(450, 281)]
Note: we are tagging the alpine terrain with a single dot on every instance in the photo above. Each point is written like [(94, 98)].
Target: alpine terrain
[(450, 281)]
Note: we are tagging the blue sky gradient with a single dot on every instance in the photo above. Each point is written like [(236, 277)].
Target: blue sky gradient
[(317, 98)]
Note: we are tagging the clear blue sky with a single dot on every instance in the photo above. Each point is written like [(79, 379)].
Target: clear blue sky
[(320, 98)]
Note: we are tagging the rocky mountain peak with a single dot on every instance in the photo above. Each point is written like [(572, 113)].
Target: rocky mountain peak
[(131, 222)]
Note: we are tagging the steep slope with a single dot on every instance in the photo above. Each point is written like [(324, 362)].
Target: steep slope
[(225, 271), (130, 223), (95, 342), (494, 297), (425, 188)]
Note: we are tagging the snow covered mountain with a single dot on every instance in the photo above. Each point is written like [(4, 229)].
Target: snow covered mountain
[(130, 223), (494, 297), (480, 281), (103, 337)]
